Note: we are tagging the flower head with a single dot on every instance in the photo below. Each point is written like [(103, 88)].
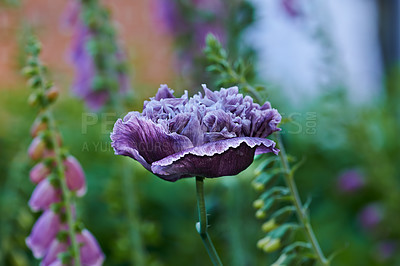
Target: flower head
[(213, 135), (43, 233)]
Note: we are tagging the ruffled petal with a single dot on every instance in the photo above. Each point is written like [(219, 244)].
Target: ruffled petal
[(215, 159), (143, 140)]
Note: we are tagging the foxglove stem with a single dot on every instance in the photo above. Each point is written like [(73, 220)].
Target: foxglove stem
[(66, 194), (301, 212), (289, 180), (201, 226)]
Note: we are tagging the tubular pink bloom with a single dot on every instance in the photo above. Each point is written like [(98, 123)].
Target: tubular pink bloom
[(55, 248), (37, 148), (43, 233), (43, 196), (39, 172), (75, 176), (90, 251)]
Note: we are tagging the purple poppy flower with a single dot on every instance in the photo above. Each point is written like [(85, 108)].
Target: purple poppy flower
[(351, 181), (370, 216), (39, 172), (44, 195), (211, 136), (75, 176), (43, 233), (90, 251), (55, 248)]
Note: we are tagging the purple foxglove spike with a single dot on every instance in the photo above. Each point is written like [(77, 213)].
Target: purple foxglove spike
[(44, 195), (39, 172), (90, 251), (210, 136), (55, 248), (75, 176), (43, 233)]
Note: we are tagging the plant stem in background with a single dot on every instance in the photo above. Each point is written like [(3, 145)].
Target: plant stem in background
[(66, 194), (201, 226), (138, 257), (301, 212)]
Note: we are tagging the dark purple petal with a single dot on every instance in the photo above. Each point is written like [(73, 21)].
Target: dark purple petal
[(43, 233), (145, 141), (215, 159)]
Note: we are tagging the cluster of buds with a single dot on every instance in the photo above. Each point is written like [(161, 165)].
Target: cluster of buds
[(56, 237), (100, 65)]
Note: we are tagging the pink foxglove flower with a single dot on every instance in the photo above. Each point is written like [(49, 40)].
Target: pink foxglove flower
[(91, 254), (75, 176), (43, 233), (44, 195), (39, 172)]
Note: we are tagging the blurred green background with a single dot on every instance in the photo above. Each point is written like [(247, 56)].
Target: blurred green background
[(333, 132)]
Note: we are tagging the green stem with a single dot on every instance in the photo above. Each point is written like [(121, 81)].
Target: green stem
[(301, 212), (201, 226), (138, 257), (65, 192), (131, 202)]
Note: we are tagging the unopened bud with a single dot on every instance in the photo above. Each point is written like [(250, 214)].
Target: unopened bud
[(52, 94), (261, 214), (272, 245), (259, 203), (269, 225), (37, 148), (258, 186), (38, 126)]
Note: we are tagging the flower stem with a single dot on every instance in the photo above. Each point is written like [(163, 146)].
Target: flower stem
[(301, 212), (65, 192), (138, 256), (201, 226)]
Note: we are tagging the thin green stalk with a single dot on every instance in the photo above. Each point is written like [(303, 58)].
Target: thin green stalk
[(66, 194), (201, 226), (131, 203), (289, 179), (301, 212), (132, 210)]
